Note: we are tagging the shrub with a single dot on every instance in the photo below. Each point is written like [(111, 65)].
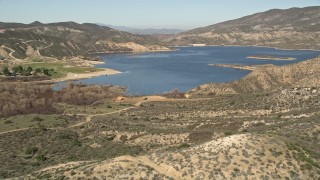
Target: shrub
[(245, 130), (110, 138), (228, 133), (8, 122), (37, 118), (5, 71), (46, 72), (184, 145), (72, 173), (41, 158), (31, 150)]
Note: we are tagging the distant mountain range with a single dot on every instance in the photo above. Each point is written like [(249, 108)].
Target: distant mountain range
[(68, 39), (148, 31), (295, 28)]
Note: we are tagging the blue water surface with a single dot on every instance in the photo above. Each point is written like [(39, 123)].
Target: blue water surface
[(185, 68)]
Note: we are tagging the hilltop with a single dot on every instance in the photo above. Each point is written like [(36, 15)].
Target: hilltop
[(295, 28), (67, 40)]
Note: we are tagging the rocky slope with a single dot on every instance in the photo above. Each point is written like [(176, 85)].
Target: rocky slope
[(67, 39), (235, 157), (295, 28), (267, 78)]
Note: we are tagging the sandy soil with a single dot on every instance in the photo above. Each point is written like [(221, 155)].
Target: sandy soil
[(73, 76), (249, 68), (77, 61), (272, 58)]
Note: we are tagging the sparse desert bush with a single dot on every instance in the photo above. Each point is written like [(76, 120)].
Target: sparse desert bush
[(37, 118), (31, 150), (228, 133), (183, 145), (8, 122), (41, 158)]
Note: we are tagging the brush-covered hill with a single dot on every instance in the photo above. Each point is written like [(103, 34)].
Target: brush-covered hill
[(295, 28), (67, 40), (235, 157), (268, 78)]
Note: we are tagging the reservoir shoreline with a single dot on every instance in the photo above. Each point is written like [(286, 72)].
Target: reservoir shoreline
[(186, 68)]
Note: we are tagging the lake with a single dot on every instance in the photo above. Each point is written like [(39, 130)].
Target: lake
[(186, 68)]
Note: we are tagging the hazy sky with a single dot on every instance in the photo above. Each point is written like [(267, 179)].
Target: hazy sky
[(183, 14)]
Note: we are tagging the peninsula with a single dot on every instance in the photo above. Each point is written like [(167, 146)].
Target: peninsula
[(268, 57)]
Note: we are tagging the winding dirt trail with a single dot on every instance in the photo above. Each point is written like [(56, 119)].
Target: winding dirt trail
[(137, 104), (90, 117), (163, 169), (11, 52), (141, 100), (15, 130)]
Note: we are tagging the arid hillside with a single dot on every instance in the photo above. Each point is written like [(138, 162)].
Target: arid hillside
[(233, 157), (295, 28), (67, 40), (263, 135)]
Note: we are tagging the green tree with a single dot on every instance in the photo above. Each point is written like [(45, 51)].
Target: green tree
[(46, 72), (31, 150), (41, 158), (27, 71), (15, 69), (51, 71), (38, 70), (20, 69), (6, 71)]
